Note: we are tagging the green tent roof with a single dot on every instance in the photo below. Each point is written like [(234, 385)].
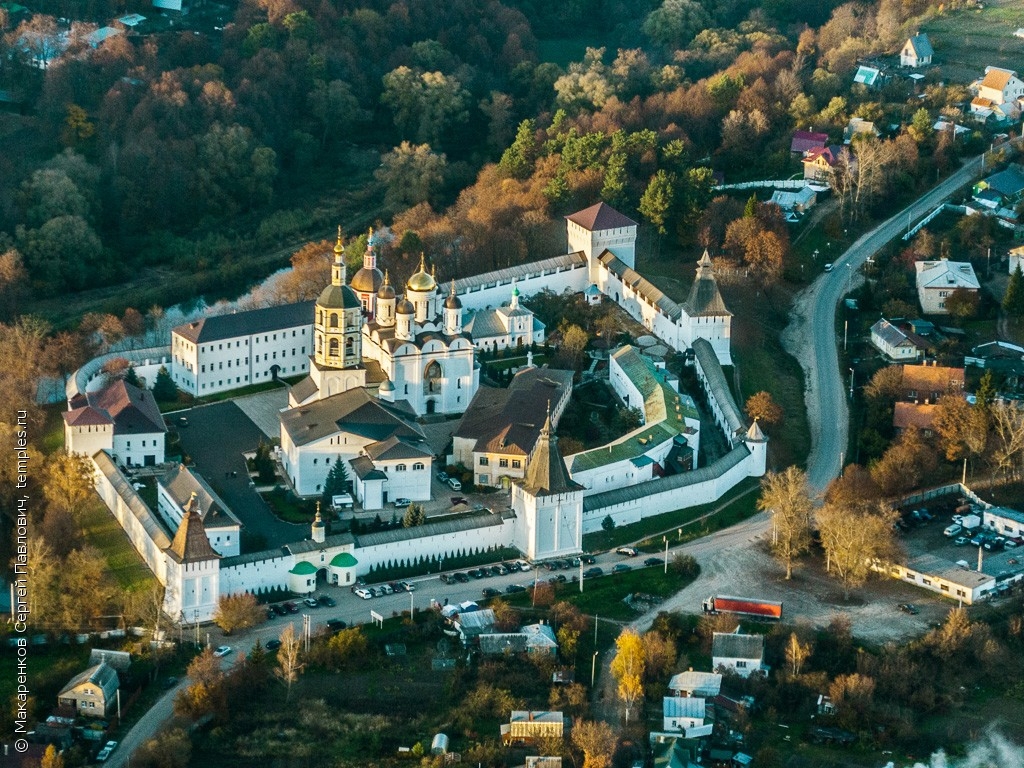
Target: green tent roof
[(344, 560), (303, 568)]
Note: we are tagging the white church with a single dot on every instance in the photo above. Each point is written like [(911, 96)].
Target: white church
[(376, 362)]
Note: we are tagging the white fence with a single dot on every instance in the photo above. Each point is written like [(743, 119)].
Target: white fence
[(778, 184)]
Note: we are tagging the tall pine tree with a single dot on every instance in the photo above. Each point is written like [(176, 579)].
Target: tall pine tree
[(1013, 301)]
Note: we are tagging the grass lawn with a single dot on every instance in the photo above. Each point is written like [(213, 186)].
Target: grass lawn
[(967, 41), (53, 428), (123, 562), (737, 505), (288, 507)]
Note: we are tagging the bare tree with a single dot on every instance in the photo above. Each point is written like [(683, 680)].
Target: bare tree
[(962, 427), (786, 497), (597, 742), (1008, 431), (69, 481), (855, 539), (289, 664), (796, 654)]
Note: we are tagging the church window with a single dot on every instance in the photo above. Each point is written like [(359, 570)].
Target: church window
[(275, 337), (334, 319), (229, 363), (484, 461), (333, 347), (418, 465), (516, 464), (400, 468), (407, 389)]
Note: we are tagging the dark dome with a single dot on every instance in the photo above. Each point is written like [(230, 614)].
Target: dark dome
[(339, 297), (386, 291), (367, 280), (453, 302), (405, 307)]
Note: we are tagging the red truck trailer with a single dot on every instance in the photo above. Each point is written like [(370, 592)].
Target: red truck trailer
[(743, 606)]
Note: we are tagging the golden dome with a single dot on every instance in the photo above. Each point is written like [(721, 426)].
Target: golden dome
[(422, 281)]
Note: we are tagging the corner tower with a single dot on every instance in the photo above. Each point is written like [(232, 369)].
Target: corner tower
[(601, 228), (547, 503)]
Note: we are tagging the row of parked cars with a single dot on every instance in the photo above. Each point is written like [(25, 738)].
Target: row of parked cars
[(367, 592), (283, 609)]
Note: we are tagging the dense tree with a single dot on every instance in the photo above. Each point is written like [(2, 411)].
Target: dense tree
[(336, 483), (205, 695), (14, 284), (69, 481), (962, 303), (425, 104), (411, 174), (761, 406), (676, 22), (905, 465), (1007, 422), (797, 652), (238, 611), (414, 516), (1013, 299), (574, 343), (596, 740), (961, 427), (164, 388), (657, 201), (171, 749), (786, 497)]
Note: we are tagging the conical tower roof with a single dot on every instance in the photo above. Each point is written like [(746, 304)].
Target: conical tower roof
[(191, 544), (547, 474), (754, 434), (705, 300)]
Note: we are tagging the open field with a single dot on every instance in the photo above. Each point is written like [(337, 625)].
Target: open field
[(967, 41)]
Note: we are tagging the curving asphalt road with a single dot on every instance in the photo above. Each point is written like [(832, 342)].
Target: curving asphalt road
[(810, 336)]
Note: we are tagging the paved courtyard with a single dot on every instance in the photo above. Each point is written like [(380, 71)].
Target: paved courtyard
[(264, 410), (216, 438)]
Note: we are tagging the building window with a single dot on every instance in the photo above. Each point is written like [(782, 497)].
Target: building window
[(484, 461), (741, 665), (400, 468), (418, 465), (516, 464), (502, 462), (485, 480)]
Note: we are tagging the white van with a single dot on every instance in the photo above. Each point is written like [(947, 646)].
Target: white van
[(953, 530)]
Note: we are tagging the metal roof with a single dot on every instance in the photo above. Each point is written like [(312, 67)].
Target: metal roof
[(644, 287), (509, 274), (717, 384), (599, 217), (597, 502), (737, 646), (249, 323), (150, 523), (433, 527), (355, 412)]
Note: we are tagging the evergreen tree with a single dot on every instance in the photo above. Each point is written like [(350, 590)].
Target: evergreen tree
[(750, 209), (1013, 301), (656, 202), (164, 388), (264, 464), (337, 482), (518, 160), (131, 377)]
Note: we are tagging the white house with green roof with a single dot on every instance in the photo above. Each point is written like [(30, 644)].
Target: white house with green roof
[(670, 420)]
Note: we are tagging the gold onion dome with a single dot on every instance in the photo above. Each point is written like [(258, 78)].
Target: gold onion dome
[(422, 281)]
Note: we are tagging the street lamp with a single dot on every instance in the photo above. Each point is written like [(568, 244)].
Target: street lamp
[(851, 383), (593, 669)]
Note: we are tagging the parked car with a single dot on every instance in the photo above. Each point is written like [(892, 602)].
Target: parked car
[(588, 559), (909, 608), (170, 682), (408, 586), (621, 568), (591, 572), (330, 602), (511, 589), (384, 589), (105, 753), (490, 592), (447, 578), (279, 609), (336, 625), (961, 541), (454, 484), (271, 614), (222, 651), (291, 607), (995, 545), (524, 565), (442, 477), (460, 577), (513, 567), (953, 530), (183, 421), (402, 502), (476, 573), (272, 645), (628, 551), (310, 602), (559, 577), (828, 267), (500, 569), (363, 592), (654, 561), (396, 586)]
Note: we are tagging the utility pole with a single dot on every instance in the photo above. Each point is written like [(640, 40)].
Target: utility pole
[(593, 669), (666, 554)]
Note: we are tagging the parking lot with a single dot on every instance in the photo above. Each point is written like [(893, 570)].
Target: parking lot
[(944, 536)]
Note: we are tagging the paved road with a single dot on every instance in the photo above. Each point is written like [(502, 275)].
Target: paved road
[(811, 338)]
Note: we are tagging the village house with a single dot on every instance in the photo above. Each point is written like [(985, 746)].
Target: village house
[(701, 684), (804, 141), (528, 727), (819, 162), (917, 51), (1002, 190), (869, 77), (739, 653), (686, 714), (996, 95), (920, 416), (999, 356), (936, 280), (895, 343), (859, 128), (927, 383), (92, 693), (533, 640), (799, 201), (121, 419)]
